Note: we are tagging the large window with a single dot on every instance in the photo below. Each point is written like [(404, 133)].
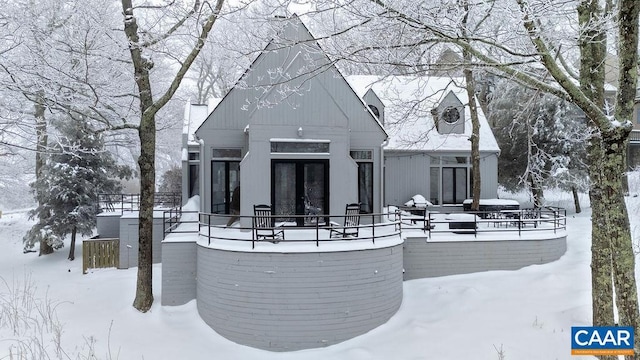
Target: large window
[(454, 185), (434, 182), (300, 187), (194, 174), (364, 159), (225, 181), (449, 179), (299, 146)]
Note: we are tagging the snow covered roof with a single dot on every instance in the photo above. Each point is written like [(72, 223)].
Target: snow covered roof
[(408, 103), (194, 116)]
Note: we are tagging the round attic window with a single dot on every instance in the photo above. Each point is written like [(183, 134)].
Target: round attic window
[(375, 110), (451, 115)]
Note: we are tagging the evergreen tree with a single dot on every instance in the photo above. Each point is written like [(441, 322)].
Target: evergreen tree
[(78, 169)]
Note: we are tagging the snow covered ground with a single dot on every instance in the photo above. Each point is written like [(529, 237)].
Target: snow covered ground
[(524, 314)]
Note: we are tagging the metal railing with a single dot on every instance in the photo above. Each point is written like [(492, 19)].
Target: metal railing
[(318, 228), (543, 219), (377, 226), (121, 203)]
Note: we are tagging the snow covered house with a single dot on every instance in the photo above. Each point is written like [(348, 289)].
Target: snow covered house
[(429, 148), (292, 132), (427, 151), (295, 134)]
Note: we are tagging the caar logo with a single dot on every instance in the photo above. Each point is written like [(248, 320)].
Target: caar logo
[(601, 340)]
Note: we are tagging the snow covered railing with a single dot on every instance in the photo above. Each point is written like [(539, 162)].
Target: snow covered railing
[(121, 203), (297, 228), (172, 220), (474, 222)]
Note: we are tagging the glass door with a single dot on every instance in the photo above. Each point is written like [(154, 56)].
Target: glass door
[(225, 179), (300, 187), (454, 185)]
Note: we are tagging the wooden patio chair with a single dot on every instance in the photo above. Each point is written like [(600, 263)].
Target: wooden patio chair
[(264, 224), (351, 224)]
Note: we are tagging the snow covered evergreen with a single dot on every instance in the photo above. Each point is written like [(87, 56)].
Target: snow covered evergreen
[(74, 173)]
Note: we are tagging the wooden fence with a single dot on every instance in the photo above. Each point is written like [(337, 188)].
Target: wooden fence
[(100, 253)]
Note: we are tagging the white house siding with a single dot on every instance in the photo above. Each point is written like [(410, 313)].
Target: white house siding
[(129, 240), (423, 258), (287, 301), (178, 275)]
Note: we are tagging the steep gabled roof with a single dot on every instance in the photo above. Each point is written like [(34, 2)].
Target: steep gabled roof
[(409, 122), (295, 33)]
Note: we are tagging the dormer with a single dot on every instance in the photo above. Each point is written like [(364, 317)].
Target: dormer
[(375, 104), (449, 115)]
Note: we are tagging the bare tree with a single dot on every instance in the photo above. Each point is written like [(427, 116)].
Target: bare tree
[(533, 42), (149, 107)]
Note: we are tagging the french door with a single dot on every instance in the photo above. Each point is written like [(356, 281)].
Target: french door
[(454, 185), (300, 187), (225, 179)]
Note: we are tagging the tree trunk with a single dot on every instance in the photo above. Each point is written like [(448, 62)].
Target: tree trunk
[(475, 122), (146, 162), (576, 199), (147, 133), (601, 266), (41, 149), (616, 219), (72, 247), (592, 54)]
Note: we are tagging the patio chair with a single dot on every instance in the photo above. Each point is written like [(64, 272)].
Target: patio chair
[(264, 224), (351, 225)]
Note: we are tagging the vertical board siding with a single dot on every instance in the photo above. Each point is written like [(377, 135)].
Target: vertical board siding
[(286, 302), (405, 175), (488, 176), (99, 253), (178, 272), (424, 259)]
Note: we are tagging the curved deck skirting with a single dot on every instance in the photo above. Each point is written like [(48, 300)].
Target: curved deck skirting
[(297, 300), (426, 258)]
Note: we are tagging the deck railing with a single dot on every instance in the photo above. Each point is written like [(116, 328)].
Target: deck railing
[(525, 220), (121, 203), (318, 228), (371, 227)]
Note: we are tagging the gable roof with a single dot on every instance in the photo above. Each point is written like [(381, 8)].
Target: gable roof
[(295, 37), (408, 119)]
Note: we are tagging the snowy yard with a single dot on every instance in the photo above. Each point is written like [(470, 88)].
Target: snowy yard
[(524, 314)]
